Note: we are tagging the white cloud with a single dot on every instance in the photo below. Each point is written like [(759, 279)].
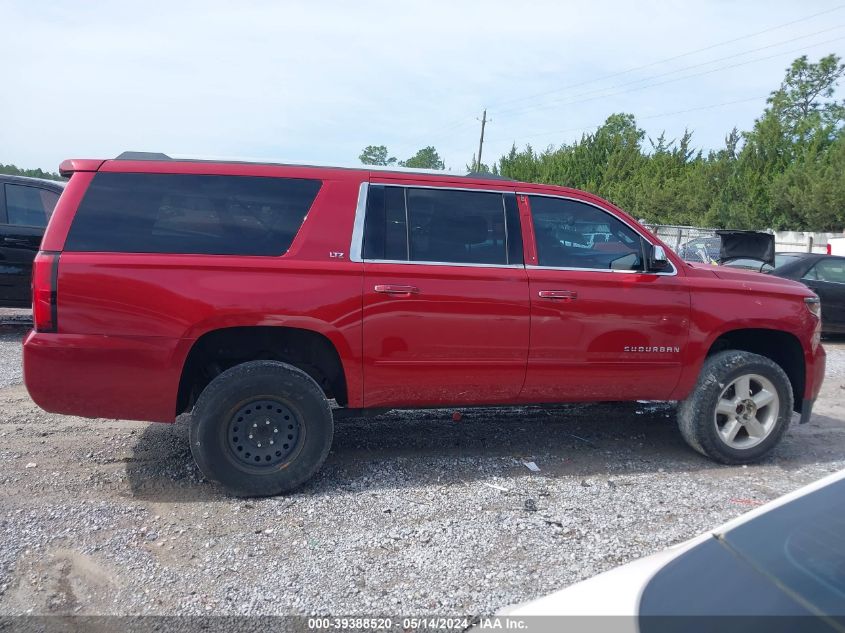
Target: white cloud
[(319, 81)]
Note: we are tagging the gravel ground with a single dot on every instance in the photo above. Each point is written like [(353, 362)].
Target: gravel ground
[(10, 358), (412, 513)]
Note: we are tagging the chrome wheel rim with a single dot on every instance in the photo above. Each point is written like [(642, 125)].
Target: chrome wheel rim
[(747, 411)]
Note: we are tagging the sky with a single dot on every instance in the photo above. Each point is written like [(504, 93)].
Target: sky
[(318, 81)]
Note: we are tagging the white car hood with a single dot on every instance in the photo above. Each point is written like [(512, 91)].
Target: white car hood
[(614, 592)]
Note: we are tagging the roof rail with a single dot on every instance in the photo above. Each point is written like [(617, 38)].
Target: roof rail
[(261, 161), (143, 156), (488, 175)]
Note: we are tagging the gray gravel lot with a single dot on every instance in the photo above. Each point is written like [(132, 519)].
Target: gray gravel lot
[(10, 358), (412, 513)]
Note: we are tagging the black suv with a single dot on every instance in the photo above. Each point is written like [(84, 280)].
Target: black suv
[(25, 206)]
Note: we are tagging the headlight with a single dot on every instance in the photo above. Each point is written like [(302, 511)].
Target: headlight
[(814, 305)]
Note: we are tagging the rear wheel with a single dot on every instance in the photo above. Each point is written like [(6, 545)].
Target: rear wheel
[(739, 410), (261, 428)]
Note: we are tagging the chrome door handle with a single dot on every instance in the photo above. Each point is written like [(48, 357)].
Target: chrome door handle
[(558, 295), (397, 291)]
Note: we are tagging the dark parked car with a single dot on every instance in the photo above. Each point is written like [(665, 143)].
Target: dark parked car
[(25, 206), (781, 259), (824, 275)]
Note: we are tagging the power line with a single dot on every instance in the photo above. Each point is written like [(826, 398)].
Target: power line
[(745, 63), (673, 58), (706, 72), (650, 116), (457, 124), (464, 121), (541, 106)]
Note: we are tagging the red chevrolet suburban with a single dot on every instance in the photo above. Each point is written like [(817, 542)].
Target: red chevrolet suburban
[(254, 294)]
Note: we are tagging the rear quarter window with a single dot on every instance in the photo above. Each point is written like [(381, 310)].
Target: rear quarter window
[(191, 214)]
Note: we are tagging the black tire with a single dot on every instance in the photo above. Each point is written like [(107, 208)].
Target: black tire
[(249, 396), (697, 415)]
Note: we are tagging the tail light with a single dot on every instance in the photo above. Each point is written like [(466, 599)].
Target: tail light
[(829, 249), (45, 274)]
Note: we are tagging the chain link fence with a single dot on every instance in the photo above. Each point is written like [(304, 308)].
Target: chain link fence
[(692, 243), (699, 244)]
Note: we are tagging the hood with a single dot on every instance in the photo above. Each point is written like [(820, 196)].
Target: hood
[(752, 276)]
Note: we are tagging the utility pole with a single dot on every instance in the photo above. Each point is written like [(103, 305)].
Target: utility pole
[(481, 140)]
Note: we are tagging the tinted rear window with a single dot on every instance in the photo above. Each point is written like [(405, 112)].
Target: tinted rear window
[(192, 214)]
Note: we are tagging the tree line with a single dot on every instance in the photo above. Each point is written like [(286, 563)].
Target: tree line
[(426, 158), (13, 170), (786, 173)]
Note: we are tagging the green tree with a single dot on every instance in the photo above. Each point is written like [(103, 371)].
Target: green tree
[(473, 167), (426, 158), (790, 141), (788, 171), (376, 155), (602, 162), (804, 103), (811, 192)]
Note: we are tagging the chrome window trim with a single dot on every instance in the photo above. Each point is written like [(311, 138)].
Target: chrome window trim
[(613, 215), (448, 188), (457, 264), (358, 224), (592, 270), (407, 225)]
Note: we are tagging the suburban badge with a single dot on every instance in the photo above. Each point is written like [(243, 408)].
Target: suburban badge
[(653, 349)]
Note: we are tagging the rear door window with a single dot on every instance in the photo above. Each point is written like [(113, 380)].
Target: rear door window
[(191, 214), (456, 226), (441, 226), (29, 206)]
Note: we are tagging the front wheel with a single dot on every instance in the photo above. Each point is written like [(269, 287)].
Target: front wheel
[(739, 410), (261, 428)]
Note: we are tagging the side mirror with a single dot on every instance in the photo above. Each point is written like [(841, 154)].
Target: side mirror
[(657, 261)]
